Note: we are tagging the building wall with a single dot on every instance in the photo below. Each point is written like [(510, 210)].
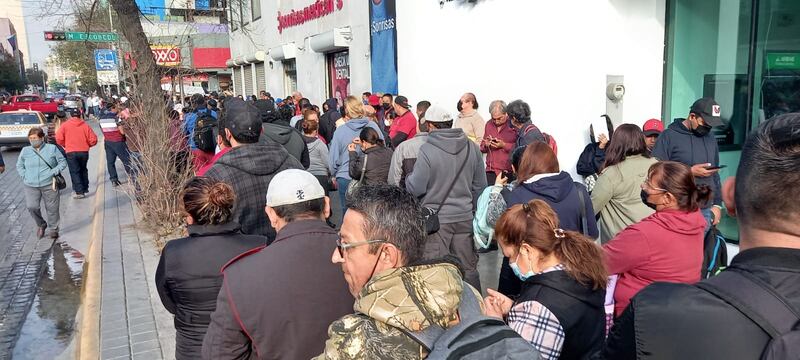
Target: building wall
[(12, 9), (555, 55)]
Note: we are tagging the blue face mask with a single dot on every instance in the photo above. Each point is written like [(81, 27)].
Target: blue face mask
[(520, 275)]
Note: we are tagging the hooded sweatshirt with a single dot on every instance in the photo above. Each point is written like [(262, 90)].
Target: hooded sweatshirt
[(289, 138), (404, 158), (666, 246), (339, 158), (437, 168), (248, 169), (318, 156), (678, 143), (75, 135), (327, 122)]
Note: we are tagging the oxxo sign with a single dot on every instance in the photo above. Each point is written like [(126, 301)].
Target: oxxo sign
[(166, 55), (314, 11)]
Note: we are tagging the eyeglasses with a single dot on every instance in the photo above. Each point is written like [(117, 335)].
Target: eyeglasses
[(342, 246)]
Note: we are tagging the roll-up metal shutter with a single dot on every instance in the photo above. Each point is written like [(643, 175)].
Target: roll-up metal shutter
[(237, 80), (248, 80), (261, 78)]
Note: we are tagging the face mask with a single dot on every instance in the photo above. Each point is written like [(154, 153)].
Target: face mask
[(701, 130), (387, 106), (459, 106), (36, 143), (644, 196), (515, 269)]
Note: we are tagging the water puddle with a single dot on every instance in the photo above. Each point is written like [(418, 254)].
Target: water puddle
[(50, 323)]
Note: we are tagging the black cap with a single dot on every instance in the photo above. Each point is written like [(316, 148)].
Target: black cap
[(708, 109), (242, 117), (61, 114), (74, 112), (402, 101)]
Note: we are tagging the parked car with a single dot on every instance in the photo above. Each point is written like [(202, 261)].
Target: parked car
[(14, 126), (73, 102), (30, 102)]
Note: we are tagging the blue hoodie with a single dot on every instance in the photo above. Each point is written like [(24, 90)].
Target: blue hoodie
[(339, 158), (34, 171)]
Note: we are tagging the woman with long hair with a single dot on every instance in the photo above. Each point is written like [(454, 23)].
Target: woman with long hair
[(188, 276), (376, 155), (616, 193), (667, 245), (560, 307)]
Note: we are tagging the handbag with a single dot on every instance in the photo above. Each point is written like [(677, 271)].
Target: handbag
[(584, 222), (354, 185), (432, 216), (59, 183)]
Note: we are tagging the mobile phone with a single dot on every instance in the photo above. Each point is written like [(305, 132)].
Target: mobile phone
[(716, 167), (506, 174)]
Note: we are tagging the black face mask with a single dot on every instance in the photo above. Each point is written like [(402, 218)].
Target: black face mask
[(644, 196), (701, 130), (459, 106), (387, 106)]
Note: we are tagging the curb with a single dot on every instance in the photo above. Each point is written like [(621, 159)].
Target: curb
[(88, 333)]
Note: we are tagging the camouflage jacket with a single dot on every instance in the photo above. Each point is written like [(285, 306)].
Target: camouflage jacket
[(407, 298)]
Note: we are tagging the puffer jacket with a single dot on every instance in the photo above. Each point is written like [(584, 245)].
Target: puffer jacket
[(248, 169), (34, 171), (387, 306), (378, 161), (188, 279)]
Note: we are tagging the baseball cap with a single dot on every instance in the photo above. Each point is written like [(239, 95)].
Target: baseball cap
[(436, 114), (374, 100), (401, 101), (708, 109), (293, 186), (242, 117), (652, 127)]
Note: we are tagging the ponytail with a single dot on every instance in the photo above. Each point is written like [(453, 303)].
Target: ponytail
[(703, 194), (583, 259)]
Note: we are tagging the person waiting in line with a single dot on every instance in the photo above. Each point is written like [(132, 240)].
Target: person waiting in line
[(652, 129), (404, 124), (560, 308), (380, 250), (37, 164), (374, 158), (286, 136), (304, 104), (519, 116), (422, 107), (665, 246), (187, 277), (469, 119), (278, 301), (327, 122), (317, 150), (199, 109), (405, 155), (591, 160), (498, 141), (76, 137), (222, 143), (114, 142), (539, 177), (616, 196)]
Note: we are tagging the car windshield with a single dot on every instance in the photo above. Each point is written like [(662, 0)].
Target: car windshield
[(70, 98), (18, 119)]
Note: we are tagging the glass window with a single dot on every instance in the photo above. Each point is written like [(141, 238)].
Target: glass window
[(255, 5), (234, 18), (290, 76), (18, 119)]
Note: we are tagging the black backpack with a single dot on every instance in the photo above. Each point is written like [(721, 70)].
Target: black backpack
[(204, 136), (760, 303), (715, 254)]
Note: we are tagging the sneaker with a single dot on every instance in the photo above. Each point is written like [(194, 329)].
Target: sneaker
[(78, 196), (40, 231), (115, 183), (54, 235), (492, 247)]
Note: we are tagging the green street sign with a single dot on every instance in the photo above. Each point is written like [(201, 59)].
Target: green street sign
[(790, 61), (92, 36)]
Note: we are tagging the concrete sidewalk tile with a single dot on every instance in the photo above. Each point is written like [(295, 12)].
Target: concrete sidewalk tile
[(117, 353), (154, 354), (143, 327), (145, 346), (145, 336), (114, 343), (114, 333)]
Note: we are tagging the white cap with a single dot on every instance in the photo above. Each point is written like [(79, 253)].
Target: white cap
[(123, 99), (293, 186), (437, 114)]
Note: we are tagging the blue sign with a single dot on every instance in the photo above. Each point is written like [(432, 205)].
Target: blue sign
[(105, 59), (383, 44)]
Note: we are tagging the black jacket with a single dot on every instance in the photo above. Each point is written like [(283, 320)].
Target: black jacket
[(277, 302), (591, 159), (578, 308), (289, 138), (677, 143), (378, 162), (327, 122), (681, 321), (248, 169), (188, 279)]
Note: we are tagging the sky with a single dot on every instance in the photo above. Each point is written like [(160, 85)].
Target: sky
[(41, 16)]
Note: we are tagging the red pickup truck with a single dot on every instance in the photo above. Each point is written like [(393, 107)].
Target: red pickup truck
[(30, 102)]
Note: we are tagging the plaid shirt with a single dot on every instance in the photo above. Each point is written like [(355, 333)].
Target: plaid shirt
[(535, 323)]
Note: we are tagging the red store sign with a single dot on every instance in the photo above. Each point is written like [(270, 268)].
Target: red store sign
[(314, 11)]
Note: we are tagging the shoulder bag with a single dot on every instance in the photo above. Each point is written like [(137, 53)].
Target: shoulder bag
[(432, 216), (354, 185), (59, 183)]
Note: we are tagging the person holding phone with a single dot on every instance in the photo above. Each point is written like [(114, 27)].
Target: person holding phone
[(691, 142), (498, 142)]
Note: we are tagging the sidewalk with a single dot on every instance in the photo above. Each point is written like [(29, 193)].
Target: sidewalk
[(122, 316)]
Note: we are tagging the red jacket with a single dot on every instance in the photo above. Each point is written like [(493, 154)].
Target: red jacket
[(498, 159), (213, 161), (75, 135), (666, 246)]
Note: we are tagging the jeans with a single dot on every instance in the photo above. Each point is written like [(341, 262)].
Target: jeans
[(342, 185), (114, 150), (709, 219), (78, 172), (33, 200)]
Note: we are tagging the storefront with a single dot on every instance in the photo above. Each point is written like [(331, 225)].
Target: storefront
[(320, 48)]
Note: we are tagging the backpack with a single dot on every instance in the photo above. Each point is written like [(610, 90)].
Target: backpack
[(476, 336), (715, 254), (204, 137), (548, 139), (760, 303)]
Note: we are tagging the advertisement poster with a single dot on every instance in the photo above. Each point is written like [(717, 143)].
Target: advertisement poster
[(339, 69), (383, 45)]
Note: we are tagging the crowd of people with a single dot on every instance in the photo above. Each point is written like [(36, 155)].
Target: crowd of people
[(607, 267)]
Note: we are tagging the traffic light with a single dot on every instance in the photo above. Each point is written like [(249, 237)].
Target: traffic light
[(54, 36)]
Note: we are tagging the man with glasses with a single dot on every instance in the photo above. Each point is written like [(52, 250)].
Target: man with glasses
[(380, 251), (276, 302)]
